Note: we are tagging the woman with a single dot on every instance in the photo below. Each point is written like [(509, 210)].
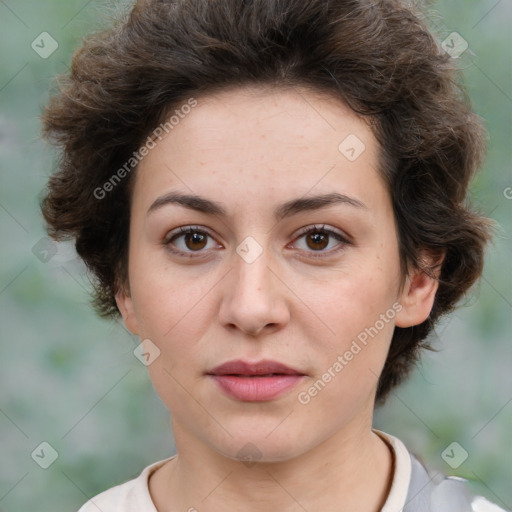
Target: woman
[(271, 195)]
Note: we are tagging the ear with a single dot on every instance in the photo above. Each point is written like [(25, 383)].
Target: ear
[(419, 291), (125, 305)]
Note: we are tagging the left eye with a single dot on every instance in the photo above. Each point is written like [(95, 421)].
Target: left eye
[(318, 239)]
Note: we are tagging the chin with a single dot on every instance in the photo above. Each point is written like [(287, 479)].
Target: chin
[(258, 446)]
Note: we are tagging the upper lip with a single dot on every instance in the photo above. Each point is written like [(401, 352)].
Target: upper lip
[(263, 367)]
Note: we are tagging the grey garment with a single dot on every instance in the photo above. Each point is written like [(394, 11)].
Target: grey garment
[(438, 493)]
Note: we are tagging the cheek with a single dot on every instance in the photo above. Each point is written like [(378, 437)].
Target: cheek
[(167, 301), (354, 301), (174, 311), (358, 310), (349, 363)]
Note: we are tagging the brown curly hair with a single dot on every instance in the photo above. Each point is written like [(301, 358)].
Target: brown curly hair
[(377, 56)]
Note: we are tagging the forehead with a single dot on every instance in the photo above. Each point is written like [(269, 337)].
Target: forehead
[(263, 141), (255, 117)]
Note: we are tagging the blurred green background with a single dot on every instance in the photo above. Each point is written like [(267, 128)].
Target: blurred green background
[(70, 379)]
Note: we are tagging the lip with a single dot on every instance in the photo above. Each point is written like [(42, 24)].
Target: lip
[(263, 367), (255, 382)]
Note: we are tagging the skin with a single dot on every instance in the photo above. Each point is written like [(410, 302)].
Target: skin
[(251, 149)]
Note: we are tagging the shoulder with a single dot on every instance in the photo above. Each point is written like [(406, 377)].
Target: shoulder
[(431, 491), (414, 488), (131, 496)]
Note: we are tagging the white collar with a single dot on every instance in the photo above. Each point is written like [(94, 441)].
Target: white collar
[(397, 496)]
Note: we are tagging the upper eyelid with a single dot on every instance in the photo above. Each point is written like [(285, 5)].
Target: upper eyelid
[(323, 227)]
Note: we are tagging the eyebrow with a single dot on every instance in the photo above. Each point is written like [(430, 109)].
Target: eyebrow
[(292, 207)]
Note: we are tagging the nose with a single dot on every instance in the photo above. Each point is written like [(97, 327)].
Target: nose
[(254, 296)]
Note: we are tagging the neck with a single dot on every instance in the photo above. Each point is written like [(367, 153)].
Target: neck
[(352, 470)]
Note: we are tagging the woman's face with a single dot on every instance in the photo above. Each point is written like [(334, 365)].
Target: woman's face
[(256, 282)]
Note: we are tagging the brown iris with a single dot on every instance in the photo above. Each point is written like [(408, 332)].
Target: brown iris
[(320, 240), (196, 240)]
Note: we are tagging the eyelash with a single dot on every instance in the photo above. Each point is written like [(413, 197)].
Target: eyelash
[(173, 235)]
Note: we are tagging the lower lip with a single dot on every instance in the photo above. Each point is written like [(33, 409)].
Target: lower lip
[(256, 389)]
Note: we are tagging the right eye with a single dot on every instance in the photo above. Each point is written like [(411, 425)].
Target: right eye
[(192, 239)]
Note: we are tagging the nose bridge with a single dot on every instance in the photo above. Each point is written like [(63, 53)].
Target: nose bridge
[(252, 271), (251, 300)]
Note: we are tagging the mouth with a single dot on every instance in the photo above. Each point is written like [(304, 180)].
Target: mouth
[(255, 382)]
